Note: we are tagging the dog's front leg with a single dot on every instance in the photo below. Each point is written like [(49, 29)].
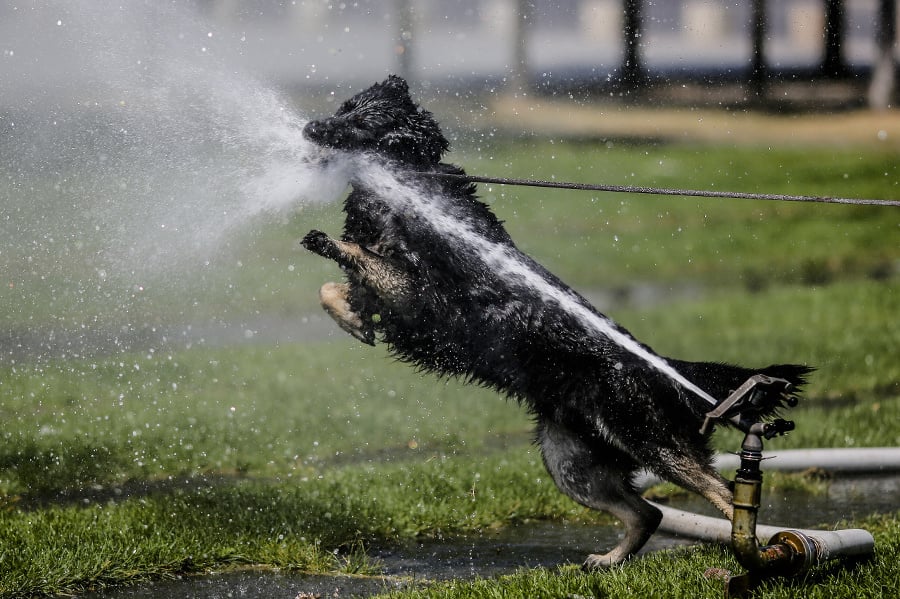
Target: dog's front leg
[(335, 299), (387, 280)]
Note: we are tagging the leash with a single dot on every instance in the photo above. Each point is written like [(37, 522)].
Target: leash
[(665, 191)]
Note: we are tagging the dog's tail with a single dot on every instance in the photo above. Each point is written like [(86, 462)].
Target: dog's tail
[(777, 397), (720, 380)]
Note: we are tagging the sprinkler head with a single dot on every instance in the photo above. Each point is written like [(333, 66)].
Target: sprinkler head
[(777, 427)]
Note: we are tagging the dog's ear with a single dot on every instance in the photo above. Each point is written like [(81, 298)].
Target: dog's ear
[(419, 142), (397, 84), (434, 143)]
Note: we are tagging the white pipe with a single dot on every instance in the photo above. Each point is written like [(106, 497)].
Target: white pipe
[(882, 460), (857, 460), (718, 530), (835, 543), (849, 460)]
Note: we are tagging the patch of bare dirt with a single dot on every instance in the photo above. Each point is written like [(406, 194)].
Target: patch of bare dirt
[(553, 117)]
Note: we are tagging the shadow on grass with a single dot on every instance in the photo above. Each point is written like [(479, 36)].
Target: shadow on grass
[(235, 506), (47, 471), (75, 473)]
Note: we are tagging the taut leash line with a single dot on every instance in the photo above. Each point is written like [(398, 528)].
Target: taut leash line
[(666, 191)]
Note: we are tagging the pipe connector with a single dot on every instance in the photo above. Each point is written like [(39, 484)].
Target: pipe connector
[(792, 553)]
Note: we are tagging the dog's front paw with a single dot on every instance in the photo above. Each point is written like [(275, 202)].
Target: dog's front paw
[(319, 243)]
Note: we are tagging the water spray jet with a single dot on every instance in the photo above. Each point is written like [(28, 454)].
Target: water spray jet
[(138, 164), (408, 199)]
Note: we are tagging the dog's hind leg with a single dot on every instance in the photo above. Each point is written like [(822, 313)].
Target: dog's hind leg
[(694, 474), (598, 475)]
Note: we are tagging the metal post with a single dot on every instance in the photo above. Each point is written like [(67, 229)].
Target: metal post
[(833, 64), (883, 84), (519, 78), (632, 65), (759, 72), (403, 47)]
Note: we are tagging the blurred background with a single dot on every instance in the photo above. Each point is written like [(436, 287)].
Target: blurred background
[(772, 50), (586, 45), (142, 145)]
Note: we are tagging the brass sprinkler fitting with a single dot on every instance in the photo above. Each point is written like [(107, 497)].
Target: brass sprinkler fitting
[(788, 552)]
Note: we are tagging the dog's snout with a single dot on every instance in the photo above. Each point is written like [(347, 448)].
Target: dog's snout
[(314, 130), (330, 132)]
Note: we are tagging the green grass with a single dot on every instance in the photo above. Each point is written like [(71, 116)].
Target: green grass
[(248, 410), (603, 240), (332, 446), (266, 411), (139, 465), (846, 330)]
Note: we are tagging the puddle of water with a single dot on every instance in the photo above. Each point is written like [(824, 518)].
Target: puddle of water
[(538, 544), (256, 585)]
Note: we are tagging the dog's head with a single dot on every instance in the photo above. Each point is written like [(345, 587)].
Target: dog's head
[(382, 119)]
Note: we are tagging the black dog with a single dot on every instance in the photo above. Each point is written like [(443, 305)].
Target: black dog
[(602, 412)]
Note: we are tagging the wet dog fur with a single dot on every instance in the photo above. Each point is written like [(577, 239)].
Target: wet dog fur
[(602, 414)]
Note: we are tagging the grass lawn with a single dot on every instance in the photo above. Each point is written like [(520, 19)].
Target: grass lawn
[(131, 466)]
